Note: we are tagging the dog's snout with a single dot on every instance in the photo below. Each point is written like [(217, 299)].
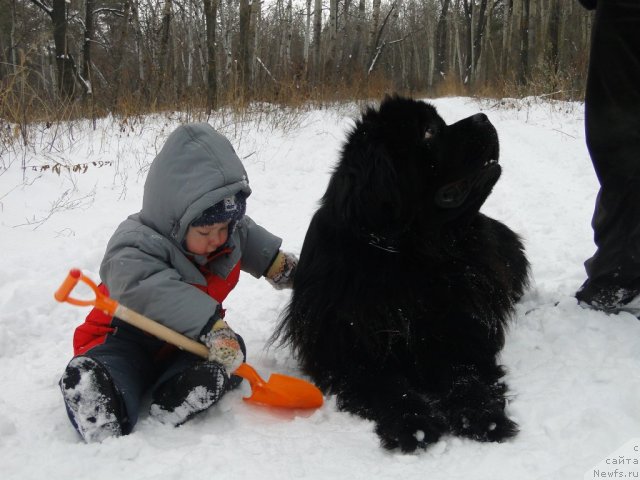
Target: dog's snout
[(480, 118), (478, 121)]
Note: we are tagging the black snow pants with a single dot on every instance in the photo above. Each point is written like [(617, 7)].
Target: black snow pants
[(612, 123)]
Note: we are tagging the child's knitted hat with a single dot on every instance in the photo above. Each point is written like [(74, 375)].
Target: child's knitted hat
[(230, 209)]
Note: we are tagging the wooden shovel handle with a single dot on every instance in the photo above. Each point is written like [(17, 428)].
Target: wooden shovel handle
[(160, 331)]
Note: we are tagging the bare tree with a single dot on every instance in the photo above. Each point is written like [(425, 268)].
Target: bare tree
[(523, 64), (65, 63), (317, 32), (553, 52), (119, 56), (374, 26), (441, 39), (476, 49), (139, 52), (359, 41), (307, 37), (287, 34), (244, 45), (210, 8), (89, 33)]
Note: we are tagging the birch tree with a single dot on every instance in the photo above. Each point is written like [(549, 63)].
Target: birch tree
[(210, 9)]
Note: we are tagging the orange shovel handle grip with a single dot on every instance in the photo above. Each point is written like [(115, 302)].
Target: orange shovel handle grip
[(101, 301)]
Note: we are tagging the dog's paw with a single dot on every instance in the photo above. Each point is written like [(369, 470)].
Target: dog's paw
[(411, 423), (410, 432), (485, 426), (476, 410)]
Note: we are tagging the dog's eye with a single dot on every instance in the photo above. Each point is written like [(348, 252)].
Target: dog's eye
[(429, 133)]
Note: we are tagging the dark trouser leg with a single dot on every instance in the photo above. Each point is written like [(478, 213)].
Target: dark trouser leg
[(612, 120), (93, 405), (188, 386), (104, 386)]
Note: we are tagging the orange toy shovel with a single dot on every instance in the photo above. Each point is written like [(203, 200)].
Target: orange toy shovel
[(279, 391)]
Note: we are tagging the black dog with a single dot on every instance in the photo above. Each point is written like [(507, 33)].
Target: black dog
[(404, 289)]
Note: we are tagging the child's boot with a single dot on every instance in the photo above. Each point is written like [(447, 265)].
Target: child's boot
[(190, 392), (91, 399)]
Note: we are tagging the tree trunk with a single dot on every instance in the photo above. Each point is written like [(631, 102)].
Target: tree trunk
[(330, 63), (247, 42), (523, 72), (317, 32), (254, 30), (188, 63), (468, 25), (373, 31), (244, 44), (89, 33), (307, 38), (119, 52), (441, 40), (507, 37), (226, 23), (343, 39), (477, 40), (210, 9), (359, 40), (379, 42), (287, 34), (140, 57), (165, 34), (64, 61), (554, 36), (12, 38)]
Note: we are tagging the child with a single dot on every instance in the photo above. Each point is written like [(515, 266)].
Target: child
[(175, 262)]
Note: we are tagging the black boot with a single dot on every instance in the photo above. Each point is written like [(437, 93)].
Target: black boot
[(609, 298), (91, 399), (190, 392)]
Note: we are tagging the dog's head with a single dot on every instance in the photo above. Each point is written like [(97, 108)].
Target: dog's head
[(402, 167)]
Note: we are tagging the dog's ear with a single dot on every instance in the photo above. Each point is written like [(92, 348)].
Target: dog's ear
[(363, 189)]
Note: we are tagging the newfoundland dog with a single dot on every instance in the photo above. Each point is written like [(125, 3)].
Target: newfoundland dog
[(403, 290)]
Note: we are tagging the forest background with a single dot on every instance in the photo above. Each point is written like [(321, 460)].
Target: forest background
[(65, 59)]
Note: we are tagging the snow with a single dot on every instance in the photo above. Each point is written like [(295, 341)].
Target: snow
[(573, 373)]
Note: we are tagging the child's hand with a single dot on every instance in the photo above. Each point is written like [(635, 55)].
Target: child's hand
[(224, 347), (280, 274)]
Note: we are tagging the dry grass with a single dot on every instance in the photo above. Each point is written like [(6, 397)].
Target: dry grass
[(274, 103)]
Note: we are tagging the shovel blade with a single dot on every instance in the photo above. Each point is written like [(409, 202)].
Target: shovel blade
[(280, 390)]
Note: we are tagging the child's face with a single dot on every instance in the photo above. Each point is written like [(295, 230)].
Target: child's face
[(206, 239)]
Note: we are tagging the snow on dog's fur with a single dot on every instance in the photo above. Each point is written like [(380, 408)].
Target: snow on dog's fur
[(403, 290)]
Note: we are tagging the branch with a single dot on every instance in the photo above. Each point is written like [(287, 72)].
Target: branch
[(64, 202), (375, 58), (266, 69), (48, 10), (380, 43), (115, 11)]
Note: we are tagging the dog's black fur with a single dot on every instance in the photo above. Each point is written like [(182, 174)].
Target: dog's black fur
[(403, 289)]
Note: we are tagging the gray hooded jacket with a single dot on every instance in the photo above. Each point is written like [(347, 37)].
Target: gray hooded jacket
[(146, 266)]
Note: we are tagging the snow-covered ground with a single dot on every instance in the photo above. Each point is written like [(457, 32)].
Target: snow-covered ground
[(574, 374)]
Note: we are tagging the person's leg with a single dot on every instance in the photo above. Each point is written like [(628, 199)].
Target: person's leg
[(94, 407), (612, 121), (102, 388), (189, 385)]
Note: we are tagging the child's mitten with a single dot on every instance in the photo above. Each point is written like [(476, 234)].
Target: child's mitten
[(280, 274), (224, 347)]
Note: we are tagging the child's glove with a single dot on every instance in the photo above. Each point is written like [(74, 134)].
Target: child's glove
[(281, 272), (224, 347)]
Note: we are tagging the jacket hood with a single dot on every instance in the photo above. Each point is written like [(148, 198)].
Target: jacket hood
[(196, 168)]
